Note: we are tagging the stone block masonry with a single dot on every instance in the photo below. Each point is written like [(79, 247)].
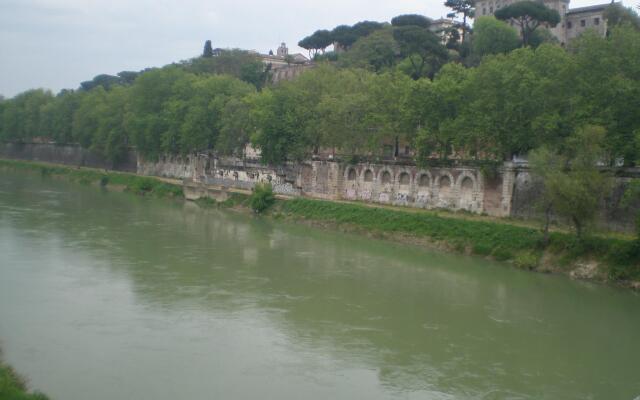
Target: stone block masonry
[(456, 188)]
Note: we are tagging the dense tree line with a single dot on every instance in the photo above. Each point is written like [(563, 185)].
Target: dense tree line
[(513, 101)]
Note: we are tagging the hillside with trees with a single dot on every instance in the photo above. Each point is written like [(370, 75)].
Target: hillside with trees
[(492, 98)]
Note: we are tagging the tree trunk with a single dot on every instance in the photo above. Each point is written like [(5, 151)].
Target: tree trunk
[(397, 145), (578, 226), (547, 221), (464, 26)]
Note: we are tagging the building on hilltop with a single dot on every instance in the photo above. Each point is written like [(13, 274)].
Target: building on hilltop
[(573, 22), (285, 66), (443, 27), (282, 58)]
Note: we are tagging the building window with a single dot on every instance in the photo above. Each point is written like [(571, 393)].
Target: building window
[(596, 21), (569, 25), (484, 11), (491, 9), (583, 22)]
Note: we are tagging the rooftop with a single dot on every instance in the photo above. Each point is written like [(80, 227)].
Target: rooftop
[(597, 7)]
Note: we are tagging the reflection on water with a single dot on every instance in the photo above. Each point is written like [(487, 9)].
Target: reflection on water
[(106, 295)]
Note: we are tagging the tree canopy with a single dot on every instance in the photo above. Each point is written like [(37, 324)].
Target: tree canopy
[(528, 15), (465, 7), (511, 103), (317, 42), (491, 36), (411, 20)]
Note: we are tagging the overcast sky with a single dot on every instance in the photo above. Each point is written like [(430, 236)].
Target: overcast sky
[(56, 44)]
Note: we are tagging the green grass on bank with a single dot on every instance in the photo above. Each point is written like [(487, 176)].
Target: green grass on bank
[(130, 182), (234, 200), (13, 386), (521, 245)]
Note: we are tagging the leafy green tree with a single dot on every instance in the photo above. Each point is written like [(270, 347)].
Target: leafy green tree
[(386, 123), (616, 14), (317, 42), (519, 101), (607, 89), (148, 121), (411, 20), (344, 36), (127, 77), (109, 137), (23, 117), (208, 50), (630, 198), (422, 48), (491, 36), (465, 7), (57, 116), (280, 118), (345, 107), (237, 63), (377, 51), (236, 126), (365, 28), (104, 80), (431, 109), (573, 184), (528, 15)]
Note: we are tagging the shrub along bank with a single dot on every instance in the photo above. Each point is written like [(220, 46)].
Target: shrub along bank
[(13, 386)]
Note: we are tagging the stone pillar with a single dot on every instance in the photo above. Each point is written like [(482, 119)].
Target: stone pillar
[(334, 181), (508, 180), (479, 197)]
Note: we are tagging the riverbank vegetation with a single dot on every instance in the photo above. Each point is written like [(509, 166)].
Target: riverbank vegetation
[(14, 387), (617, 260), (124, 181)]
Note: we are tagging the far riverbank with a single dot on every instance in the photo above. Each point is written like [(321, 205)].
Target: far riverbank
[(611, 260)]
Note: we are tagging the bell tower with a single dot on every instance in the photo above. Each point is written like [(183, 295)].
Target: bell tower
[(283, 51)]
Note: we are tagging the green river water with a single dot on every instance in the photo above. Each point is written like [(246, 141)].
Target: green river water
[(107, 295)]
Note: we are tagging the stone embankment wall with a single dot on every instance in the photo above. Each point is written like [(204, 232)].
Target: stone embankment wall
[(615, 214), (67, 154), (456, 188), (511, 192)]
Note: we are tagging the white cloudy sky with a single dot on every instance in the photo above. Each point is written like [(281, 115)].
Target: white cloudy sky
[(57, 44)]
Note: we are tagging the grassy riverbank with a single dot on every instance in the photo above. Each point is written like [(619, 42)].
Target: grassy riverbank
[(14, 387), (601, 258), (116, 180)]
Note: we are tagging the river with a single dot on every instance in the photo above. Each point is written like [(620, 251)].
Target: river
[(106, 295)]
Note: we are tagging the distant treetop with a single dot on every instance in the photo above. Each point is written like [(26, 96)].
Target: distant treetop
[(411, 20)]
